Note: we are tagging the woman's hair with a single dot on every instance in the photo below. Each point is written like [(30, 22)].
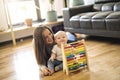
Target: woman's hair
[(40, 44)]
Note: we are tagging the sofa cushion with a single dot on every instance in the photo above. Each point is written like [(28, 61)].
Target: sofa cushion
[(114, 15), (97, 20), (101, 15), (85, 20), (108, 7), (88, 15), (75, 20), (117, 6), (113, 21), (113, 6)]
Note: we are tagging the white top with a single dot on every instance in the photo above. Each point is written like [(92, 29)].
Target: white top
[(57, 50)]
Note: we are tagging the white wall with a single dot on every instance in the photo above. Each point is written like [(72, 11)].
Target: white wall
[(59, 5), (3, 19), (89, 2)]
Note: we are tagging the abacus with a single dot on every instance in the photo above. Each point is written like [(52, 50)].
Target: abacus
[(74, 56)]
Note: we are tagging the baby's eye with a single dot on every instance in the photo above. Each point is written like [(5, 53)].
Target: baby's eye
[(63, 37)]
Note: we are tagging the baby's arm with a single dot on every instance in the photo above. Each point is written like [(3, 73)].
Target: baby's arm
[(53, 56)]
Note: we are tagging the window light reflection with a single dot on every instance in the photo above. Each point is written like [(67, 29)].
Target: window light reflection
[(25, 66)]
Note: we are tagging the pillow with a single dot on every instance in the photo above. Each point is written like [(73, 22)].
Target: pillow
[(71, 37)]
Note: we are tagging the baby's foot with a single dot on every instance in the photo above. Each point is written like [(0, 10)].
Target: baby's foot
[(56, 68)]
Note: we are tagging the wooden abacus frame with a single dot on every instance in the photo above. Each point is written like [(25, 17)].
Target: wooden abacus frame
[(74, 56)]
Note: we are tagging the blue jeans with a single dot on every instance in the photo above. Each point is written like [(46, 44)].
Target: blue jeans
[(53, 64)]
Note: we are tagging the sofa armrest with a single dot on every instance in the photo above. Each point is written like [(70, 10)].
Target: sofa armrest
[(69, 12)]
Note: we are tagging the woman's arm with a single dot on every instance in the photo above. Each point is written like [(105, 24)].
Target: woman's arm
[(42, 67), (44, 70)]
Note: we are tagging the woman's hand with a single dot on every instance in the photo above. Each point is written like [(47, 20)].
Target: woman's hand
[(47, 71)]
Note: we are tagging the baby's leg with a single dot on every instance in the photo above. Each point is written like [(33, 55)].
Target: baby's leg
[(59, 67), (51, 65)]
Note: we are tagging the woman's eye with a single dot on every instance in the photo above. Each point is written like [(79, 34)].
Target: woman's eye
[(50, 33)]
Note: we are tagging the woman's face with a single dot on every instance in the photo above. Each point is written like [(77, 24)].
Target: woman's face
[(48, 36)]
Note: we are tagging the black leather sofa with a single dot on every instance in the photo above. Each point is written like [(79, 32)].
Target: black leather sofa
[(99, 19)]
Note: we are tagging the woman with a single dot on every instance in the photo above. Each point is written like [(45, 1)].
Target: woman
[(43, 44)]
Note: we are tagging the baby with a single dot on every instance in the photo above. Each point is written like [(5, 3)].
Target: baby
[(55, 62)]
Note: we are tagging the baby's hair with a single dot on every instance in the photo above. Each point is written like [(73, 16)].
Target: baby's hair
[(59, 32)]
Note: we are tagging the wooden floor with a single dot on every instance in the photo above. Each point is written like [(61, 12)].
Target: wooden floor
[(18, 62)]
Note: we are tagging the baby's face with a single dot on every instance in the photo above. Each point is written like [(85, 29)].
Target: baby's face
[(61, 38)]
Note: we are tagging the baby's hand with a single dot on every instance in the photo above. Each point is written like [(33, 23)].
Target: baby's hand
[(52, 57)]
